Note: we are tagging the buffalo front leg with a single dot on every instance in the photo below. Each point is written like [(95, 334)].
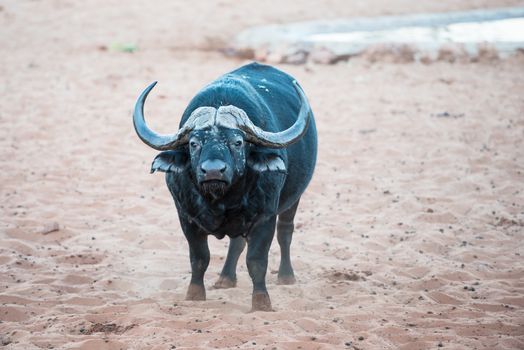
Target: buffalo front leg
[(258, 244), (228, 276), (199, 257), (285, 229)]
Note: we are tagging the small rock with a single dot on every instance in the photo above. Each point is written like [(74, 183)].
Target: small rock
[(322, 56), (298, 57), (486, 53), (452, 53), (392, 53), (50, 228)]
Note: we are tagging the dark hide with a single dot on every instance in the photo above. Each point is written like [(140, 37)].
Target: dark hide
[(253, 197)]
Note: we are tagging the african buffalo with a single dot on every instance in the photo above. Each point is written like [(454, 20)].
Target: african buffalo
[(244, 153)]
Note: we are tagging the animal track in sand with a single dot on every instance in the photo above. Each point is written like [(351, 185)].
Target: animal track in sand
[(106, 328), (81, 259), (347, 275)]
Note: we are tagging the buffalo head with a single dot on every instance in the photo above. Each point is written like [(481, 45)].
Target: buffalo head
[(215, 144)]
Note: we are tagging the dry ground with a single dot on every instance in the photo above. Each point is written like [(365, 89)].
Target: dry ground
[(409, 237)]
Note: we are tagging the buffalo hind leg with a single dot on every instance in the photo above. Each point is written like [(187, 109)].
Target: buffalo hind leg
[(258, 244), (199, 257), (228, 276), (285, 229)]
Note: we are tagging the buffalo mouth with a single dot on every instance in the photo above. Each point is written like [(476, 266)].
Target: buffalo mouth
[(213, 188)]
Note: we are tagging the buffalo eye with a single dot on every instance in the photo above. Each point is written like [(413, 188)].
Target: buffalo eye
[(193, 144), (238, 143)]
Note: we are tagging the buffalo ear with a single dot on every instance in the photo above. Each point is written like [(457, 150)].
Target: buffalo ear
[(260, 162), (170, 162)]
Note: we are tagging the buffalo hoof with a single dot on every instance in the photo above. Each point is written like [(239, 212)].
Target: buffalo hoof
[(225, 282), (286, 280), (261, 302), (196, 292)]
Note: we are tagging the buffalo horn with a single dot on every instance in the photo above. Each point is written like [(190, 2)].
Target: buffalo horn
[(283, 138), (151, 138)]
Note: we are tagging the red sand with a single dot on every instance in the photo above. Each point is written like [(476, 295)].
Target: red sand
[(409, 237)]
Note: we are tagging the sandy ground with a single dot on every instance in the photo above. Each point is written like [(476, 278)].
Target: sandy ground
[(409, 237)]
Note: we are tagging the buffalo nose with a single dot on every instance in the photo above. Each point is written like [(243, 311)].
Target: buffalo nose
[(213, 169)]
